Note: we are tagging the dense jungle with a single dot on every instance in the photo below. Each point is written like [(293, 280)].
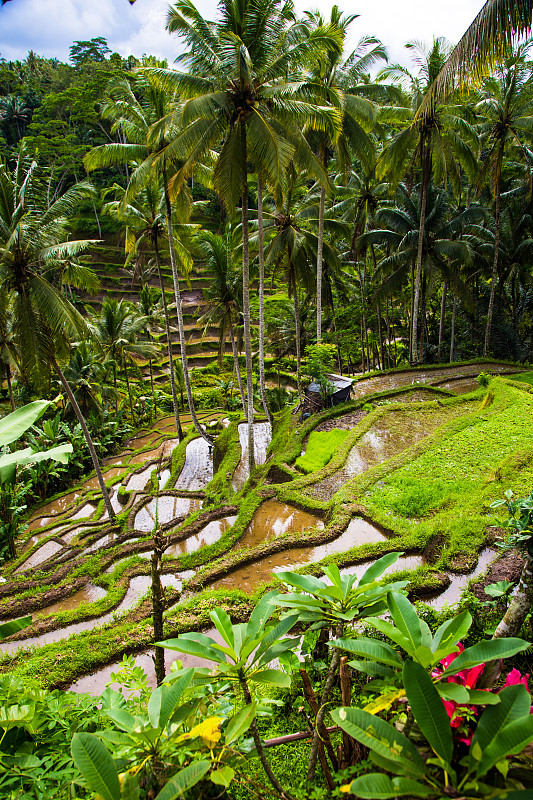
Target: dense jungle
[(266, 403)]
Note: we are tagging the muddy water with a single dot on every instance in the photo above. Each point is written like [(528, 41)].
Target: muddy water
[(89, 594), (198, 467), (461, 385), (262, 437), (56, 507), (96, 683), (42, 554), (162, 478), (33, 540), (93, 482), (404, 562), (273, 519), (138, 587), (248, 578), (208, 535), (149, 455), (459, 583), (381, 383), (138, 481), (167, 508), (85, 511)]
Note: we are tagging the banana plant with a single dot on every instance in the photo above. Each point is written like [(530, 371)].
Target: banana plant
[(438, 768), (244, 658), (336, 602), (12, 427), (384, 664)]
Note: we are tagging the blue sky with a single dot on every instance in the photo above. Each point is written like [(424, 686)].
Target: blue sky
[(50, 26)]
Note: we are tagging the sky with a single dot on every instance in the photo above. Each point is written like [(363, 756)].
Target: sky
[(49, 27)]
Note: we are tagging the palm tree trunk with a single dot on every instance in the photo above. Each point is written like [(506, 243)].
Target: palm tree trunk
[(246, 298), (297, 337), (169, 343), (90, 445), (236, 366), (424, 156), (261, 260), (320, 249), (125, 368), (452, 334), (513, 619), (494, 272), (179, 314), (442, 315), (10, 388)]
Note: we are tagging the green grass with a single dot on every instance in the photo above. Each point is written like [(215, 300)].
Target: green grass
[(524, 377), (320, 449)]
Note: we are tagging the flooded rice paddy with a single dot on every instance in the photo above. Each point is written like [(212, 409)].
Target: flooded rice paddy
[(75, 521)]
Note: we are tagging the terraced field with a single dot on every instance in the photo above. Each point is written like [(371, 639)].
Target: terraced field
[(87, 582)]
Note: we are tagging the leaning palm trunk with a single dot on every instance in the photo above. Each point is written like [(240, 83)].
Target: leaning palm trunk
[(90, 445), (261, 298), (128, 387), (513, 619), (494, 272), (236, 366), (169, 343), (320, 249), (246, 300), (177, 295)]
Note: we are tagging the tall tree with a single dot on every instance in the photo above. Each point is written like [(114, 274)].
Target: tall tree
[(33, 243), (507, 111), (239, 91), (436, 143)]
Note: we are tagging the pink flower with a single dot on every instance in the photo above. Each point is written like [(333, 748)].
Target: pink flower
[(514, 678)]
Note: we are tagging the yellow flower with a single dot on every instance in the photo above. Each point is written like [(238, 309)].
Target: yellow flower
[(208, 730)]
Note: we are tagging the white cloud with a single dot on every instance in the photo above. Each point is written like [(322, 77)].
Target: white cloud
[(50, 26)]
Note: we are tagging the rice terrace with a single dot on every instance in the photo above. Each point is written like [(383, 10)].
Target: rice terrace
[(266, 410)]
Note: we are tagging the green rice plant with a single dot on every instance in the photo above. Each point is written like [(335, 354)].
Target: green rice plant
[(320, 449)]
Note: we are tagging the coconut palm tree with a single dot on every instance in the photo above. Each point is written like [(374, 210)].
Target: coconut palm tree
[(8, 350), (240, 94), (223, 293), (33, 244), (436, 143), (507, 123), (446, 242), (144, 220), (117, 329), (340, 82), (134, 120), (485, 44)]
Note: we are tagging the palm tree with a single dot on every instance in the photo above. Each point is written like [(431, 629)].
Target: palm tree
[(485, 44), (144, 219), (118, 329), (436, 142), (240, 91), (32, 245), (145, 150), (506, 109), (292, 244), (340, 83), (85, 374), (223, 293), (445, 242), (8, 350)]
